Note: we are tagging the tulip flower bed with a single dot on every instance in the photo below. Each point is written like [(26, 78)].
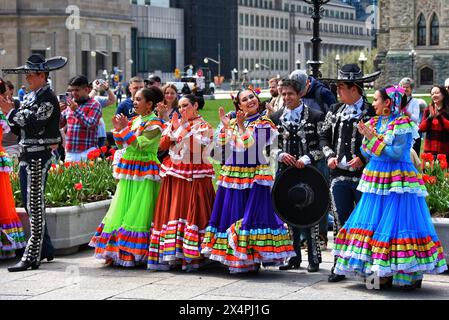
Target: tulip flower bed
[(71, 184), (436, 177)]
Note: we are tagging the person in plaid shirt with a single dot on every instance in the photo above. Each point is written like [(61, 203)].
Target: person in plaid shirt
[(435, 122), (81, 114)]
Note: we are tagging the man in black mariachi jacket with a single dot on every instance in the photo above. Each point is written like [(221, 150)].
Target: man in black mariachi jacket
[(341, 141), (37, 124), (299, 146)]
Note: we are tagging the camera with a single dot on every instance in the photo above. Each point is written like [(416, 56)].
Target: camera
[(99, 84)]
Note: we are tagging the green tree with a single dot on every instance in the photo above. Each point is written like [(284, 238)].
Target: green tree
[(329, 66)]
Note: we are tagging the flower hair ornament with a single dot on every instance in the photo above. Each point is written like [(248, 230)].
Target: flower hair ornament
[(395, 93), (235, 99)]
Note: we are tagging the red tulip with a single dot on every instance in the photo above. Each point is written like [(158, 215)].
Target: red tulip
[(427, 157), (441, 157), (78, 186)]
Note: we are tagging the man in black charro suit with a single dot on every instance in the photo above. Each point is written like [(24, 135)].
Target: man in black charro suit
[(37, 124), (298, 127)]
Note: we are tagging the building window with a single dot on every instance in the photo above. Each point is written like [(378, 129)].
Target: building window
[(299, 48), (421, 30), (434, 31), (156, 54), (100, 64), (85, 55), (426, 76), (299, 24), (116, 59)]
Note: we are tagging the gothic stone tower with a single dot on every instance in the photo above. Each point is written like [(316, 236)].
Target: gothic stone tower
[(419, 25)]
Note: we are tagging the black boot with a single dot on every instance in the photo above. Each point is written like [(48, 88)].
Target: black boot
[(24, 265), (313, 267), (292, 264), (335, 277)]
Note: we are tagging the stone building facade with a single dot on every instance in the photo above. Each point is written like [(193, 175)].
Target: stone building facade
[(100, 41), (413, 41), (275, 35)]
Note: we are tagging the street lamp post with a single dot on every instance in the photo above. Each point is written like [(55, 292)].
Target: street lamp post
[(362, 60), (261, 65), (245, 79), (412, 55), (218, 61), (337, 61), (2, 53), (316, 40), (234, 78)]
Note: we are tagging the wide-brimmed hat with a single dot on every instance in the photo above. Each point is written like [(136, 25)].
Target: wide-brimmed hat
[(353, 73), (300, 197), (37, 63)]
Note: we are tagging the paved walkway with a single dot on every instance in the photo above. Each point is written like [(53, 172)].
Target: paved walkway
[(81, 277)]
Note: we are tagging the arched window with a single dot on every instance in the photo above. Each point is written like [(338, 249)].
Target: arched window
[(426, 76), (421, 30), (434, 31)]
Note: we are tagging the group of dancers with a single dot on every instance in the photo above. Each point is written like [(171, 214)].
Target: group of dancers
[(166, 214)]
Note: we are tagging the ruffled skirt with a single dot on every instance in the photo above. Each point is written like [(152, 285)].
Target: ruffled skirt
[(244, 231), (389, 236), (124, 234), (182, 212), (12, 236)]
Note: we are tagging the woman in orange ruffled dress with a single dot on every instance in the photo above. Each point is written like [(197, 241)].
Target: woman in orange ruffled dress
[(12, 236), (187, 195)]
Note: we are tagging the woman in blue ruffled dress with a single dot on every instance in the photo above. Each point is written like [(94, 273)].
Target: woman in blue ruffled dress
[(390, 234)]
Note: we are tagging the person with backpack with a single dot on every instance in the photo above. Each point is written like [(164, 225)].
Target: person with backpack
[(319, 97)]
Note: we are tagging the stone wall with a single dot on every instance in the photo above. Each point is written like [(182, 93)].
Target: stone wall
[(41, 25)]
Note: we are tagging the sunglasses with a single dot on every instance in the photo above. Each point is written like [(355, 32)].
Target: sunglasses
[(251, 96)]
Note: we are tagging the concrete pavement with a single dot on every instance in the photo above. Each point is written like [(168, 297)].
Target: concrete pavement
[(81, 277)]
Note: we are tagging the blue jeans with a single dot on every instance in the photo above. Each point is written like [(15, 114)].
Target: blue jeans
[(345, 196), (324, 169)]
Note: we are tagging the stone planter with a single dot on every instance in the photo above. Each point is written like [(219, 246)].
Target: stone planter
[(70, 227), (442, 229)]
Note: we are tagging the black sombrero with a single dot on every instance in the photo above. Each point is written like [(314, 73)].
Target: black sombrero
[(301, 196), (37, 63), (352, 73)]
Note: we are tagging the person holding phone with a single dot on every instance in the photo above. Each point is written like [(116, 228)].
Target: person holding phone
[(96, 87), (81, 115)]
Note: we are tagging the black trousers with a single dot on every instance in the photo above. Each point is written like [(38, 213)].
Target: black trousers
[(313, 245), (33, 177)]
